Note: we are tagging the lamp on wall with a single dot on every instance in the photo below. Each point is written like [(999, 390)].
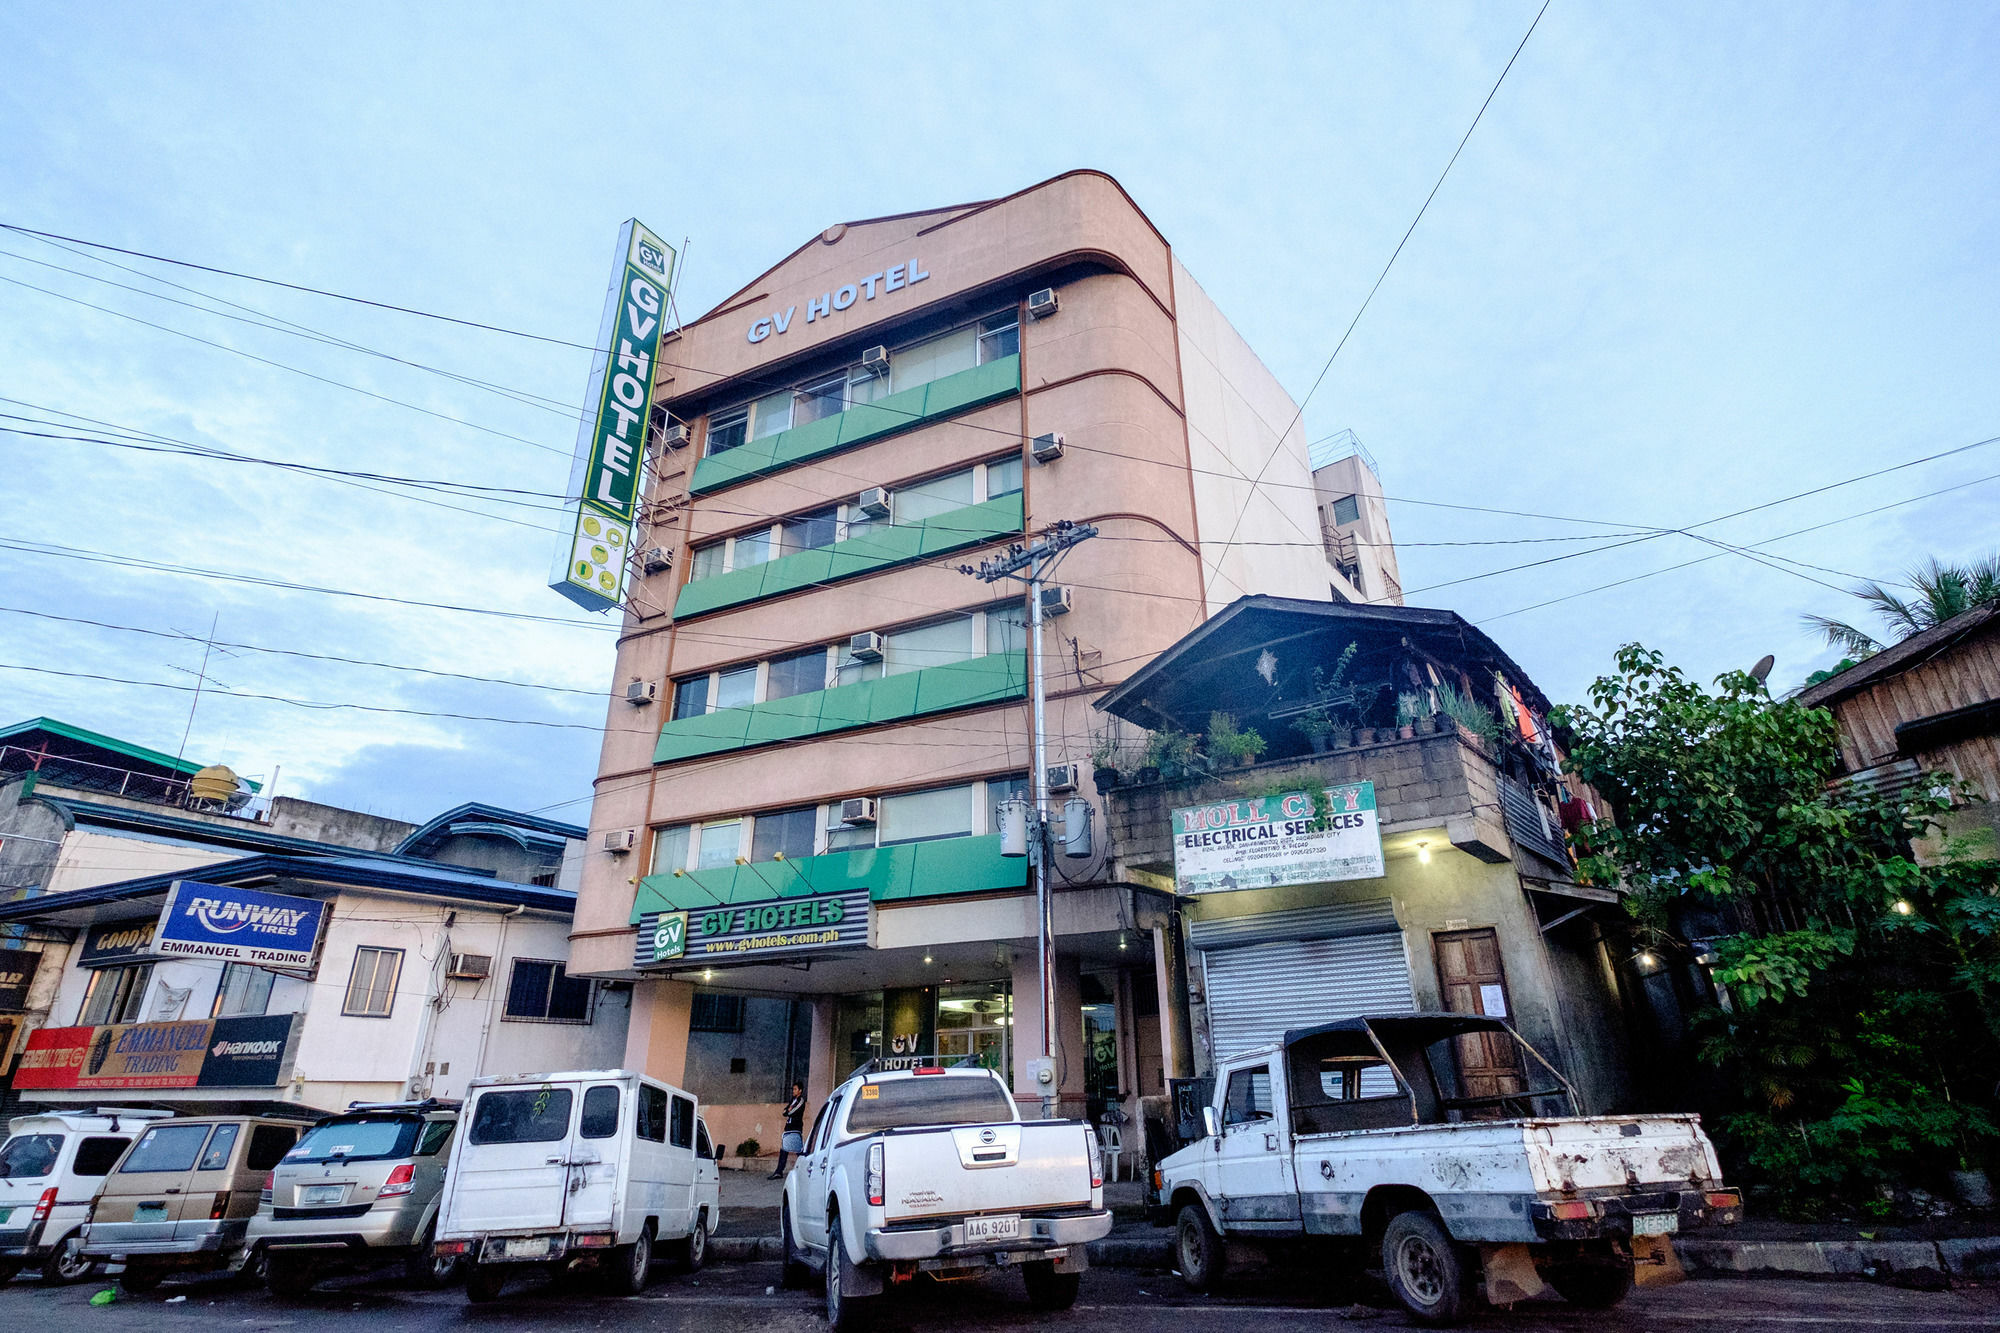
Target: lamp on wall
[(1423, 853)]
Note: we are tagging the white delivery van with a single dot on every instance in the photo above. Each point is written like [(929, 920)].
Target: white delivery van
[(51, 1168), (590, 1168)]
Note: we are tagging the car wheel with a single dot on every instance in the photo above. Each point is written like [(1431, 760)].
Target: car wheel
[(795, 1273), (844, 1313), (1048, 1289), (631, 1263), (425, 1267), (138, 1278), (1592, 1286), (483, 1282), (1197, 1249), (289, 1277), (691, 1252), (67, 1263), (1424, 1269)]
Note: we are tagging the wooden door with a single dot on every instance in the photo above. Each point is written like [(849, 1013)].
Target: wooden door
[(1472, 982)]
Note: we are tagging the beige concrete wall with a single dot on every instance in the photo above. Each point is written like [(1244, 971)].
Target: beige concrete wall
[(89, 858), (1381, 577)]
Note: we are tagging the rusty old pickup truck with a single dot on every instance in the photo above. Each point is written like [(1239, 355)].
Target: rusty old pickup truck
[(1358, 1133)]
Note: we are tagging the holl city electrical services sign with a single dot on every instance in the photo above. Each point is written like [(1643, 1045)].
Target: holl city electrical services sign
[(611, 443), (238, 925), (751, 932), (1265, 841)]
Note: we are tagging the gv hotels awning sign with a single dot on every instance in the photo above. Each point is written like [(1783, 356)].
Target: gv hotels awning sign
[(611, 442), (753, 932)]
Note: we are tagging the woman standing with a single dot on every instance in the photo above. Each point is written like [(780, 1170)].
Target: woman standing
[(794, 1142)]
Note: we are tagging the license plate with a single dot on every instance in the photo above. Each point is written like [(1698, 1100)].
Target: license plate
[(992, 1228), (150, 1212), (322, 1194), (527, 1247), (1655, 1224)]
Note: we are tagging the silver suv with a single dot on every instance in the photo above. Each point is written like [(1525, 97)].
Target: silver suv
[(359, 1187)]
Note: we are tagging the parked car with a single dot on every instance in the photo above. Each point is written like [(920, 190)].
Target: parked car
[(182, 1196), (585, 1169), (1364, 1131), (357, 1187), (51, 1167), (932, 1170)]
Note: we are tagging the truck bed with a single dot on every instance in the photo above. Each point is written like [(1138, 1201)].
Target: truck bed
[(1030, 1167)]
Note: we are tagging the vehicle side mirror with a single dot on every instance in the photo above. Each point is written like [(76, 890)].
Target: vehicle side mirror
[(1211, 1121)]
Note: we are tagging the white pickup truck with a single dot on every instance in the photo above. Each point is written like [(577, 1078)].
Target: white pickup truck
[(932, 1170), (1360, 1132)]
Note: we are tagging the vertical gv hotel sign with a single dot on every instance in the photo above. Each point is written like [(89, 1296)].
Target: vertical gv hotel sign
[(611, 442)]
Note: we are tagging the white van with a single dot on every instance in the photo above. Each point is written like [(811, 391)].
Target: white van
[(591, 1168), (51, 1168)]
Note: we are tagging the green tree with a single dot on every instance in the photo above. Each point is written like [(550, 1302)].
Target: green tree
[(1942, 592), (1858, 1032)]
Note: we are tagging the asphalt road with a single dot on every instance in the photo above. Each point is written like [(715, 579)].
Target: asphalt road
[(728, 1297)]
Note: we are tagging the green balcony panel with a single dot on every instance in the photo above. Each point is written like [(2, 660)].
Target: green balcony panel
[(859, 424), (884, 548), (935, 689), (890, 874)]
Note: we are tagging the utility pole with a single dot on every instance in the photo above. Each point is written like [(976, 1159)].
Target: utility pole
[(1031, 564)]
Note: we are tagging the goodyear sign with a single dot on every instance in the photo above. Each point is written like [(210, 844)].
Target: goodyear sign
[(753, 932), (611, 442)]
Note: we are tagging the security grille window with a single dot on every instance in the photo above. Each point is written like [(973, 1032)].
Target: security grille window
[(244, 990), (670, 849), (546, 878), (716, 1013), (1347, 509), (796, 673), (540, 991), (371, 986), (721, 843), (786, 833), (115, 995)]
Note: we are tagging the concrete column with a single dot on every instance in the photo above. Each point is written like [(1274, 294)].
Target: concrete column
[(656, 1043), (820, 1057), (1175, 1058)]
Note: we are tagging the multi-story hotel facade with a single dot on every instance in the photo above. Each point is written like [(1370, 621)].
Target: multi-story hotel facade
[(794, 848)]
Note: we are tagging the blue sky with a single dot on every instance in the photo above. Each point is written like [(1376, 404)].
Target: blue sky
[(1696, 258)]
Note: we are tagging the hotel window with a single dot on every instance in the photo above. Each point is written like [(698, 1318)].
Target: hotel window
[(727, 430), (935, 358), (787, 833), (245, 990), (115, 995), (817, 401), (371, 986), (1003, 477), (795, 673), (809, 532), (736, 687), (721, 844), (939, 495), (771, 414), (708, 560), (670, 849), (541, 991), (957, 811), (999, 336), (750, 549), (691, 696)]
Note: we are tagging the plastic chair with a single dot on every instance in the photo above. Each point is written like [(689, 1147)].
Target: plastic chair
[(1112, 1144)]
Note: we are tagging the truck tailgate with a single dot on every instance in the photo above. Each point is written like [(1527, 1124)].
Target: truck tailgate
[(1002, 1168), (1619, 1152)]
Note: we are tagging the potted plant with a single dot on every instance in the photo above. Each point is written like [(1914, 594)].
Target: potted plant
[(1467, 715), (1316, 726), (1105, 753), (1227, 745), (1172, 754), (1408, 708)]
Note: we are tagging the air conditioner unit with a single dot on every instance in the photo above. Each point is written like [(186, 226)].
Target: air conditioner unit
[(865, 646), (673, 435), (1047, 448), (470, 966), (873, 502), (1055, 600), (857, 811), (875, 361), (1061, 777), (656, 559), (641, 692), (1042, 304), (621, 840)]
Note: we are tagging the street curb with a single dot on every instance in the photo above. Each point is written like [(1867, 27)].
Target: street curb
[(743, 1249)]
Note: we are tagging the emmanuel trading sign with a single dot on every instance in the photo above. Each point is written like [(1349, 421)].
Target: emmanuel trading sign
[(238, 925), (611, 442), (1265, 841)]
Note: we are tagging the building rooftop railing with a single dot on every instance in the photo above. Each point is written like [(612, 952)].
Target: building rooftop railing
[(1344, 444), (131, 784)]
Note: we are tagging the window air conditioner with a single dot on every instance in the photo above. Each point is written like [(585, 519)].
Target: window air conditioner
[(470, 966), (865, 646), (656, 559), (1047, 448), (1055, 600), (1061, 777), (1042, 304), (621, 840), (641, 692), (873, 502), (857, 811), (673, 435), (875, 361)]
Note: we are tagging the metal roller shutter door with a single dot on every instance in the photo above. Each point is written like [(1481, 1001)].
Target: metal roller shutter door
[(1257, 991)]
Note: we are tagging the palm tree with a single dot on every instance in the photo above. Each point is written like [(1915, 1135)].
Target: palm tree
[(1943, 591)]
